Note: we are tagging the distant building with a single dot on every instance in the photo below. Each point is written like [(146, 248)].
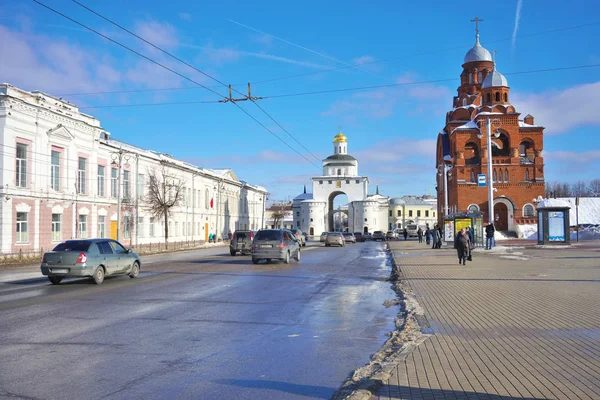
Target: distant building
[(410, 210), (517, 144), (314, 212), (60, 175), (279, 216)]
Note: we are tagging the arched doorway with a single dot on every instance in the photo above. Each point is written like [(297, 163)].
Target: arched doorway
[(337, 215), (311, 231), (366, 230), (501, 217)]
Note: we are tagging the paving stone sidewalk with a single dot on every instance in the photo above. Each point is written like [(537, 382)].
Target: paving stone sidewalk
[(509, 325)]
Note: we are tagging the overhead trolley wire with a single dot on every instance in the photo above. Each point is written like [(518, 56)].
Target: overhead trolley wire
[(169, 69), (195, 69)]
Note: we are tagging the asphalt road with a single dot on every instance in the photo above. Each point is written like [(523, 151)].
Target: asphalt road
[(197, 325)]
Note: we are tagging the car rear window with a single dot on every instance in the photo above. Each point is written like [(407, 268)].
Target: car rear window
[(241, 235), (347, 234), (268, 235), (73, 245)]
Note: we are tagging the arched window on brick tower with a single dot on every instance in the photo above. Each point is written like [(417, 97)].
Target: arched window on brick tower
[(472, 176), (471, 154), (506, 175), (500, 147), (494, 176), (527, 174), (506, 97), (497, 96), (489, 97)]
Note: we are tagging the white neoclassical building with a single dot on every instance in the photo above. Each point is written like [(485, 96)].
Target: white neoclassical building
[(314, 212), (62, 176)]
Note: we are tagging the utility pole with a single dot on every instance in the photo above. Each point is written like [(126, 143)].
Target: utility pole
[(117, 159)]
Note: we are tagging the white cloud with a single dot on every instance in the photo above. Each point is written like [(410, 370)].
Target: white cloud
[(572, 157), (564, 110), (397, 151), (517, 20), (161, 34)]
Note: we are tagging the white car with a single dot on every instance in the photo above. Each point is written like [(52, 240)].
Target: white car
[(335, 239)]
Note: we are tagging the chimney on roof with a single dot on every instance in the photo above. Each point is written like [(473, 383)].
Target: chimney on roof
[(304, 189), (528, 119), (377, 192)]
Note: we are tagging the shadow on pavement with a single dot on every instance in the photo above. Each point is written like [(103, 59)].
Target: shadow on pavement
[(316, 392), (416, 393)]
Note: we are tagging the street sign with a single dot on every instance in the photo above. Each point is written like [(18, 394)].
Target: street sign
[(481, 180)]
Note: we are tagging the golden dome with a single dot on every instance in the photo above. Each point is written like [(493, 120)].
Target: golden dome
[(339, 138)]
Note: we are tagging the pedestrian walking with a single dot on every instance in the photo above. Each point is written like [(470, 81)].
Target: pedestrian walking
[(489, 236), (437, 238), (462, 245), (420, 235), (405, 233), (428, 235)]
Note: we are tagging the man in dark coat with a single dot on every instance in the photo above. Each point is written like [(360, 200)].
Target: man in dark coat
[(489, 236), (440, 236), (462, 245), (427, 235), (420, 234), (405, 233)]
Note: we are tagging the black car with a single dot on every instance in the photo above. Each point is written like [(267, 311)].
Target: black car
[(379, 235), (241, 242)]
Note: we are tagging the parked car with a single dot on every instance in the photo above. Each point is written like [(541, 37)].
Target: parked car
[(323, 236), (335, 239), (305, 236), (299, 236), (389, 235), (241, 242), (278, 244), (379, 235), (359, 237), (368, 236), (349, 237), (93, 258)]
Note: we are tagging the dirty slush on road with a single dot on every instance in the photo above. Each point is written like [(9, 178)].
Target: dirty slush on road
[(364, 382)]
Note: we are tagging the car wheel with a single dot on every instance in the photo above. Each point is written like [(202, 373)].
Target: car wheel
[(135, 270), (255, 261), (326, 245), (297, 258), (286, 259), (99, 276), (232, 252), (55, 280)]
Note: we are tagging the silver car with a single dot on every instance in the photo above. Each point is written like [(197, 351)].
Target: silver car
[(335, 239), (323, 237), (275, 244), (349, 237), (94, 258)]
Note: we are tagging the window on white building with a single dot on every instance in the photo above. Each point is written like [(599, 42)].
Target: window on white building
[(56, 222), (410, 213), (176, 232), (101, 169), (21, 166), (114, 182), (55, 170), (399, 213), (101, 226), (151, 227), (418, 213), (81, 168), (127, 227), (206, 196), (126, 187), (140, 227), (22, 232), (83, 227)]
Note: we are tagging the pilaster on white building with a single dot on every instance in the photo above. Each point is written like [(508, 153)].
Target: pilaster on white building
[(63, 176)]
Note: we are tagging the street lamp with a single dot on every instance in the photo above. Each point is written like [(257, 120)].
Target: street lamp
[(495, 123), (117, 160), (445, 170)]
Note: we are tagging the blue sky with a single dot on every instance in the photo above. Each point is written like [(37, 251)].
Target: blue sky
[(392, 131)]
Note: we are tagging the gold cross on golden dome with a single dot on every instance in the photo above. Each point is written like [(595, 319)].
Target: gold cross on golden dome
[(340, 128)]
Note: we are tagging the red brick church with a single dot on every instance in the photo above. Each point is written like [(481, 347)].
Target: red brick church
[(517, 143)]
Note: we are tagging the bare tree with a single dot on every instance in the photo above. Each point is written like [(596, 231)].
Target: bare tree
[(165, 191), (580, 189), (594, 187), (279, 211)]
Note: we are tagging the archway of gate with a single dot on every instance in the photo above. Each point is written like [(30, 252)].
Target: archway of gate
[(337, 212)]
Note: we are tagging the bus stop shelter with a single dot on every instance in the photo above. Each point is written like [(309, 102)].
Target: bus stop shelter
[(453, 223), (553, 222)]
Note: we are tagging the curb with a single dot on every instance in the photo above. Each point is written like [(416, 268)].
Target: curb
[(364, 383)]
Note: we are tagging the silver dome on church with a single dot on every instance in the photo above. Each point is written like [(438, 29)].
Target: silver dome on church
[(478, 53), (494, 79)]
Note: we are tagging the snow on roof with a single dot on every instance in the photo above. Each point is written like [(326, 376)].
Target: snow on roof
[(547, 203), (469, 125), (524, 125), (304, 196)]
